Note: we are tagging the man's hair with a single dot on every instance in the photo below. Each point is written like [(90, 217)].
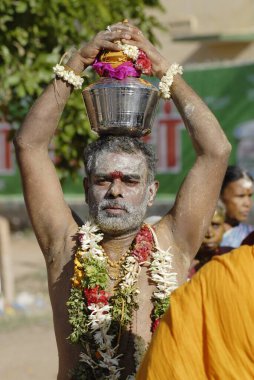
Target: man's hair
[(234, 173), (119, 144)]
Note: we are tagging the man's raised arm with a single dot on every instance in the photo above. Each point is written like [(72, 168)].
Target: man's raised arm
[(198, 195), (50, 216), (187, 222)]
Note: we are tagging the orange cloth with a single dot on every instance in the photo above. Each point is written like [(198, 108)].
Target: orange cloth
[(208, 332)]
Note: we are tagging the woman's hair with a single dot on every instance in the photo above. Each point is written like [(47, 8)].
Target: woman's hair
[(234, 173)]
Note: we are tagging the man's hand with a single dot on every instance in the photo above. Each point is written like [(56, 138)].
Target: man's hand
[(136, 37), (102, 40)]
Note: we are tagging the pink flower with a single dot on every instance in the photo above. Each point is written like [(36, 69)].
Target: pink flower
[(126, 69), (94, 295)]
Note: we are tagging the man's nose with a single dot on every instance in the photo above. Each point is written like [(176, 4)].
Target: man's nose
[(115, 189)]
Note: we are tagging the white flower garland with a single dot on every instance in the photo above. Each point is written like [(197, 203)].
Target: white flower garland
[(160, 269), (100, 317), (68, 76), (130, 50), (167, 80)]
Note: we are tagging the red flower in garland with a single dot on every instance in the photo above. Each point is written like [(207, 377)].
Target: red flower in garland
[(155, 324), (94, 295), (143, 63), (143, 244)]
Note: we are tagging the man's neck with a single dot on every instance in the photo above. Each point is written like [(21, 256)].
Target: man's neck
[(116, 246)]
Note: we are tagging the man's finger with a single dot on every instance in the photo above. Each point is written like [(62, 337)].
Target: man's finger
[(116, 35), (108, 45)]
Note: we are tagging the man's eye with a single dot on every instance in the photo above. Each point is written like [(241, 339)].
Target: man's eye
[(131, 182), (101, 181)]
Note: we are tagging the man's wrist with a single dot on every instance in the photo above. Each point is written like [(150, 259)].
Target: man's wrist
[(76, 63), (167, 80), (162, 71)]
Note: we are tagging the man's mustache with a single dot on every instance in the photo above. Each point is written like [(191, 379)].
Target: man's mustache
[(114, 204)]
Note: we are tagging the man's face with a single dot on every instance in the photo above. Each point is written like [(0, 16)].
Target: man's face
[(117, 192), (237, 197), (214, 233)]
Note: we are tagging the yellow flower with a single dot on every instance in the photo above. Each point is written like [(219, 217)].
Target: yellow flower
[(75, 282), (77, 263), (79, 273)]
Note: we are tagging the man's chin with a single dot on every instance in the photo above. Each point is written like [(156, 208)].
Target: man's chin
[(114, 230), (116, 225)]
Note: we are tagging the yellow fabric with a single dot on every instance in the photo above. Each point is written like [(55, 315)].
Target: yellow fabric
[(208, 333)]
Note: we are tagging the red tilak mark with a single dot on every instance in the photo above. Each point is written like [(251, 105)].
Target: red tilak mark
[(116, 175)]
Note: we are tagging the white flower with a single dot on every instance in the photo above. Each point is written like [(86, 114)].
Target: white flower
[(90, 233), (100, 316), (161, 275), (87, 359), (68, 75), (108, 360), (130, 50), (89, 239), (97, 253), (167, 80)]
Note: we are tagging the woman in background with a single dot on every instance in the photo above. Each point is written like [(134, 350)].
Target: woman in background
[(236, 194)]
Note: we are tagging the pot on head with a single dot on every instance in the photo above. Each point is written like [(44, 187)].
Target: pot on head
[(121, 107)]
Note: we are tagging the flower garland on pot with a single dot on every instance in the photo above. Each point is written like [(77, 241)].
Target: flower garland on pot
[(129, 62), (97, 317)]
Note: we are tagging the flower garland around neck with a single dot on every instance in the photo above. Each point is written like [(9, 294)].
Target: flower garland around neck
[(98, 318)]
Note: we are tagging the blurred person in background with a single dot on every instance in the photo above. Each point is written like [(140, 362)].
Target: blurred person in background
[(236, 194), (211, 244), (249, 239)]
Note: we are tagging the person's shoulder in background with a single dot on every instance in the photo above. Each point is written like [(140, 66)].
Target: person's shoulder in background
[(249, 239)]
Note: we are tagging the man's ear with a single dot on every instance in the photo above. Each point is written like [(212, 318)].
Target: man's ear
[(86, 187), (153, 188)]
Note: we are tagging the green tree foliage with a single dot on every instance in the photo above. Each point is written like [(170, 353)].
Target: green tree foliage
[(34, 34)]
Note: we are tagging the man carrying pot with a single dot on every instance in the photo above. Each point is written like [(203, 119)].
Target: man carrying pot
[(109, 282)]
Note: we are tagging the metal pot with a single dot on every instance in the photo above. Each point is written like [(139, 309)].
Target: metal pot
[(121, 107)]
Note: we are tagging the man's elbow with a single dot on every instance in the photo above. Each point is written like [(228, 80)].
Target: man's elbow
[(17, 142), (221, 150), (20, 145), (26, 144), (225, 148)]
